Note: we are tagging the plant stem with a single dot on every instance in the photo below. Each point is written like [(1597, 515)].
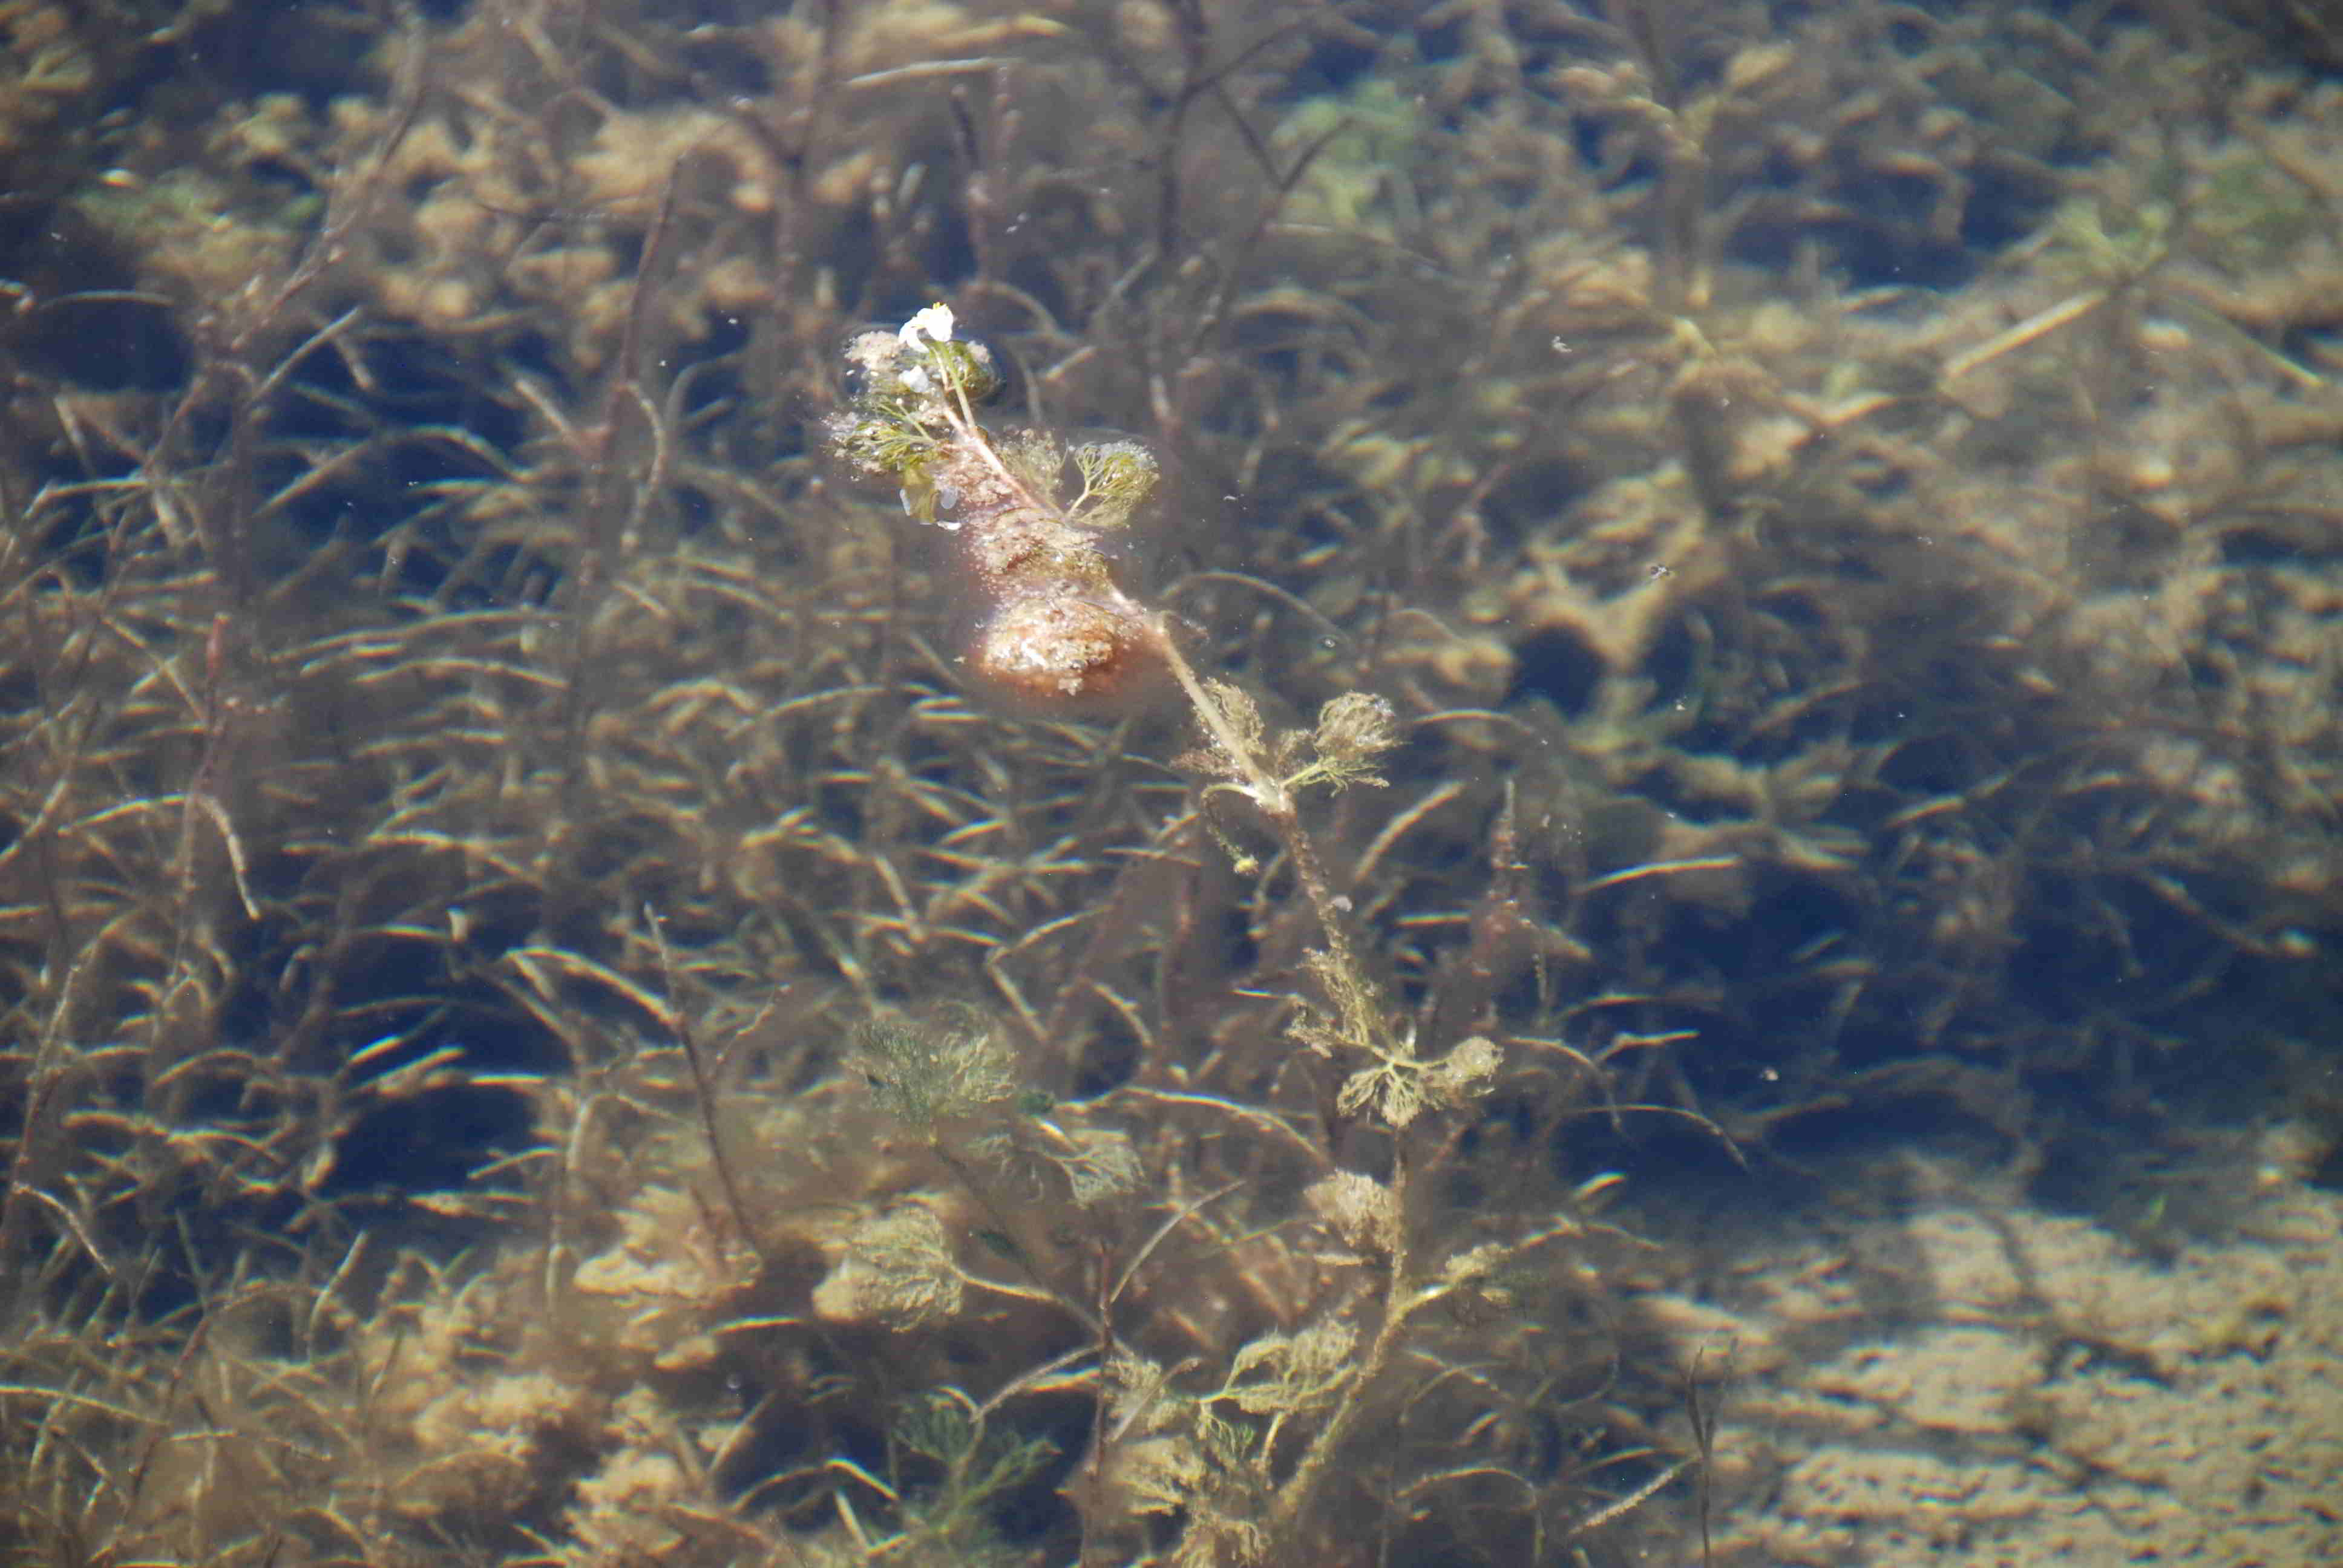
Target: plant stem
[(1275, 800), (1400, 1303)]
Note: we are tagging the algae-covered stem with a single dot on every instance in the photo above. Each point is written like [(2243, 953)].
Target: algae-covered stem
[(1272, 795)]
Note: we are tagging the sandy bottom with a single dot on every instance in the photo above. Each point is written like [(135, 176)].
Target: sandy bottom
[(1964, 1383)]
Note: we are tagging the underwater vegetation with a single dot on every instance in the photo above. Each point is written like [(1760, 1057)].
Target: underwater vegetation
[(892, 780)]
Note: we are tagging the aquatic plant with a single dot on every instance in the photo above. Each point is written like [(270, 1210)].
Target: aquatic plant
[(551, 1011), (1050, 625), (1242, 1467)]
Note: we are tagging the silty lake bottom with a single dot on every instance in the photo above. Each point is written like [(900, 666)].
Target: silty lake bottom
[(1171, 782)]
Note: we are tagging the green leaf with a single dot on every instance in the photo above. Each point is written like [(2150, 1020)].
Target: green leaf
[(921, 1074)]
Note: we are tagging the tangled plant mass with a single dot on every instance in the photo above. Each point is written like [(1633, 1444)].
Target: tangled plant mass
[(1051, 625)]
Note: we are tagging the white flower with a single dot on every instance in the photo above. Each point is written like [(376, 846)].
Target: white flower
[(934, 323)]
